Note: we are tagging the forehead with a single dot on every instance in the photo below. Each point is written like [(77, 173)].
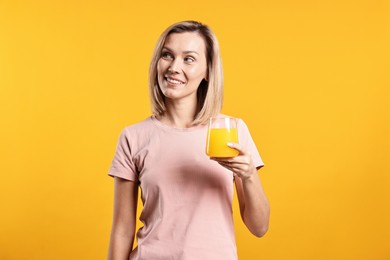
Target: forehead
[(185, 42)]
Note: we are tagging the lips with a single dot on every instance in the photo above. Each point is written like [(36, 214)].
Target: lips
[(173, 81)]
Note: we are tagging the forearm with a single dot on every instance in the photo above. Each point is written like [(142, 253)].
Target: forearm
[(254, 206), (256, 210), (120, 246), (124, 220)]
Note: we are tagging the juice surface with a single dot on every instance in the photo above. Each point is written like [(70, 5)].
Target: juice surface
[(217, 140)]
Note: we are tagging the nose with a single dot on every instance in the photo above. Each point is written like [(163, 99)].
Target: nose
[(175, 66)]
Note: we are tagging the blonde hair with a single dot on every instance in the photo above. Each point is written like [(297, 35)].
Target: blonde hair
[(210, 91)]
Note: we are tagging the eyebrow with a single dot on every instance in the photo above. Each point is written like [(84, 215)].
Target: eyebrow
[(185, 52)]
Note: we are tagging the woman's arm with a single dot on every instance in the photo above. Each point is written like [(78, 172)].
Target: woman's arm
[(254, 206), (124, 219)]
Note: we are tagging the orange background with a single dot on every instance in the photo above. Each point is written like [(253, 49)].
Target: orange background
[(310, 78)]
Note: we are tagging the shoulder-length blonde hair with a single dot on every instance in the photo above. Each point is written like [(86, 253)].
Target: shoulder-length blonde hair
[(210, 91)]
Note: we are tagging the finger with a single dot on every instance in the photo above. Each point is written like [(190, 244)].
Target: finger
[(233, 160), (237, 147), (225, 165), (232, 165), (222, 159), (235, 167), (240, 168)]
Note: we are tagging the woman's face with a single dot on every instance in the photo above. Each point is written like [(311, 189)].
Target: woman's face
[(182, 65)]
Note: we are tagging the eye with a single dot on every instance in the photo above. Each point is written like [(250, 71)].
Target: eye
[(189, 59), (166, 55)]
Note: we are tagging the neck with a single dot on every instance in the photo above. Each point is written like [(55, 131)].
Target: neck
[(179, 114)]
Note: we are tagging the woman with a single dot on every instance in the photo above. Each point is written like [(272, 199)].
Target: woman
[(187, 197)]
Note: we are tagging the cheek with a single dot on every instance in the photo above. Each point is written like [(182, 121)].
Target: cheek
[(159, 67), (197, 72), (160, 71)]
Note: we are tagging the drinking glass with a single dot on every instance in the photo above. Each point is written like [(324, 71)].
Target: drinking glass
[(221, 130)]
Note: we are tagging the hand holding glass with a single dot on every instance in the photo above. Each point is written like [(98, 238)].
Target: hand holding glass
[(221, 131)]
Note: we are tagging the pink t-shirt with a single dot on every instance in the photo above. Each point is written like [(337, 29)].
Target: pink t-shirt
[(187, 197)]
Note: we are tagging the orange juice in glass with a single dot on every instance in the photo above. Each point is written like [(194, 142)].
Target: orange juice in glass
[(222, 130)]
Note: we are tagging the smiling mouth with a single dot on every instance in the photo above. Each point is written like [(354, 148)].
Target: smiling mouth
[(173, 81)]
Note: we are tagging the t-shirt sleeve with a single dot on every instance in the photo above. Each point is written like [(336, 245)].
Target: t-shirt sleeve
[(245, 139), (123, 164)]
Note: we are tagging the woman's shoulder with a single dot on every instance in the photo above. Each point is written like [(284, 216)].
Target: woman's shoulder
[(138, 128), (147, 122), (138, 133)]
